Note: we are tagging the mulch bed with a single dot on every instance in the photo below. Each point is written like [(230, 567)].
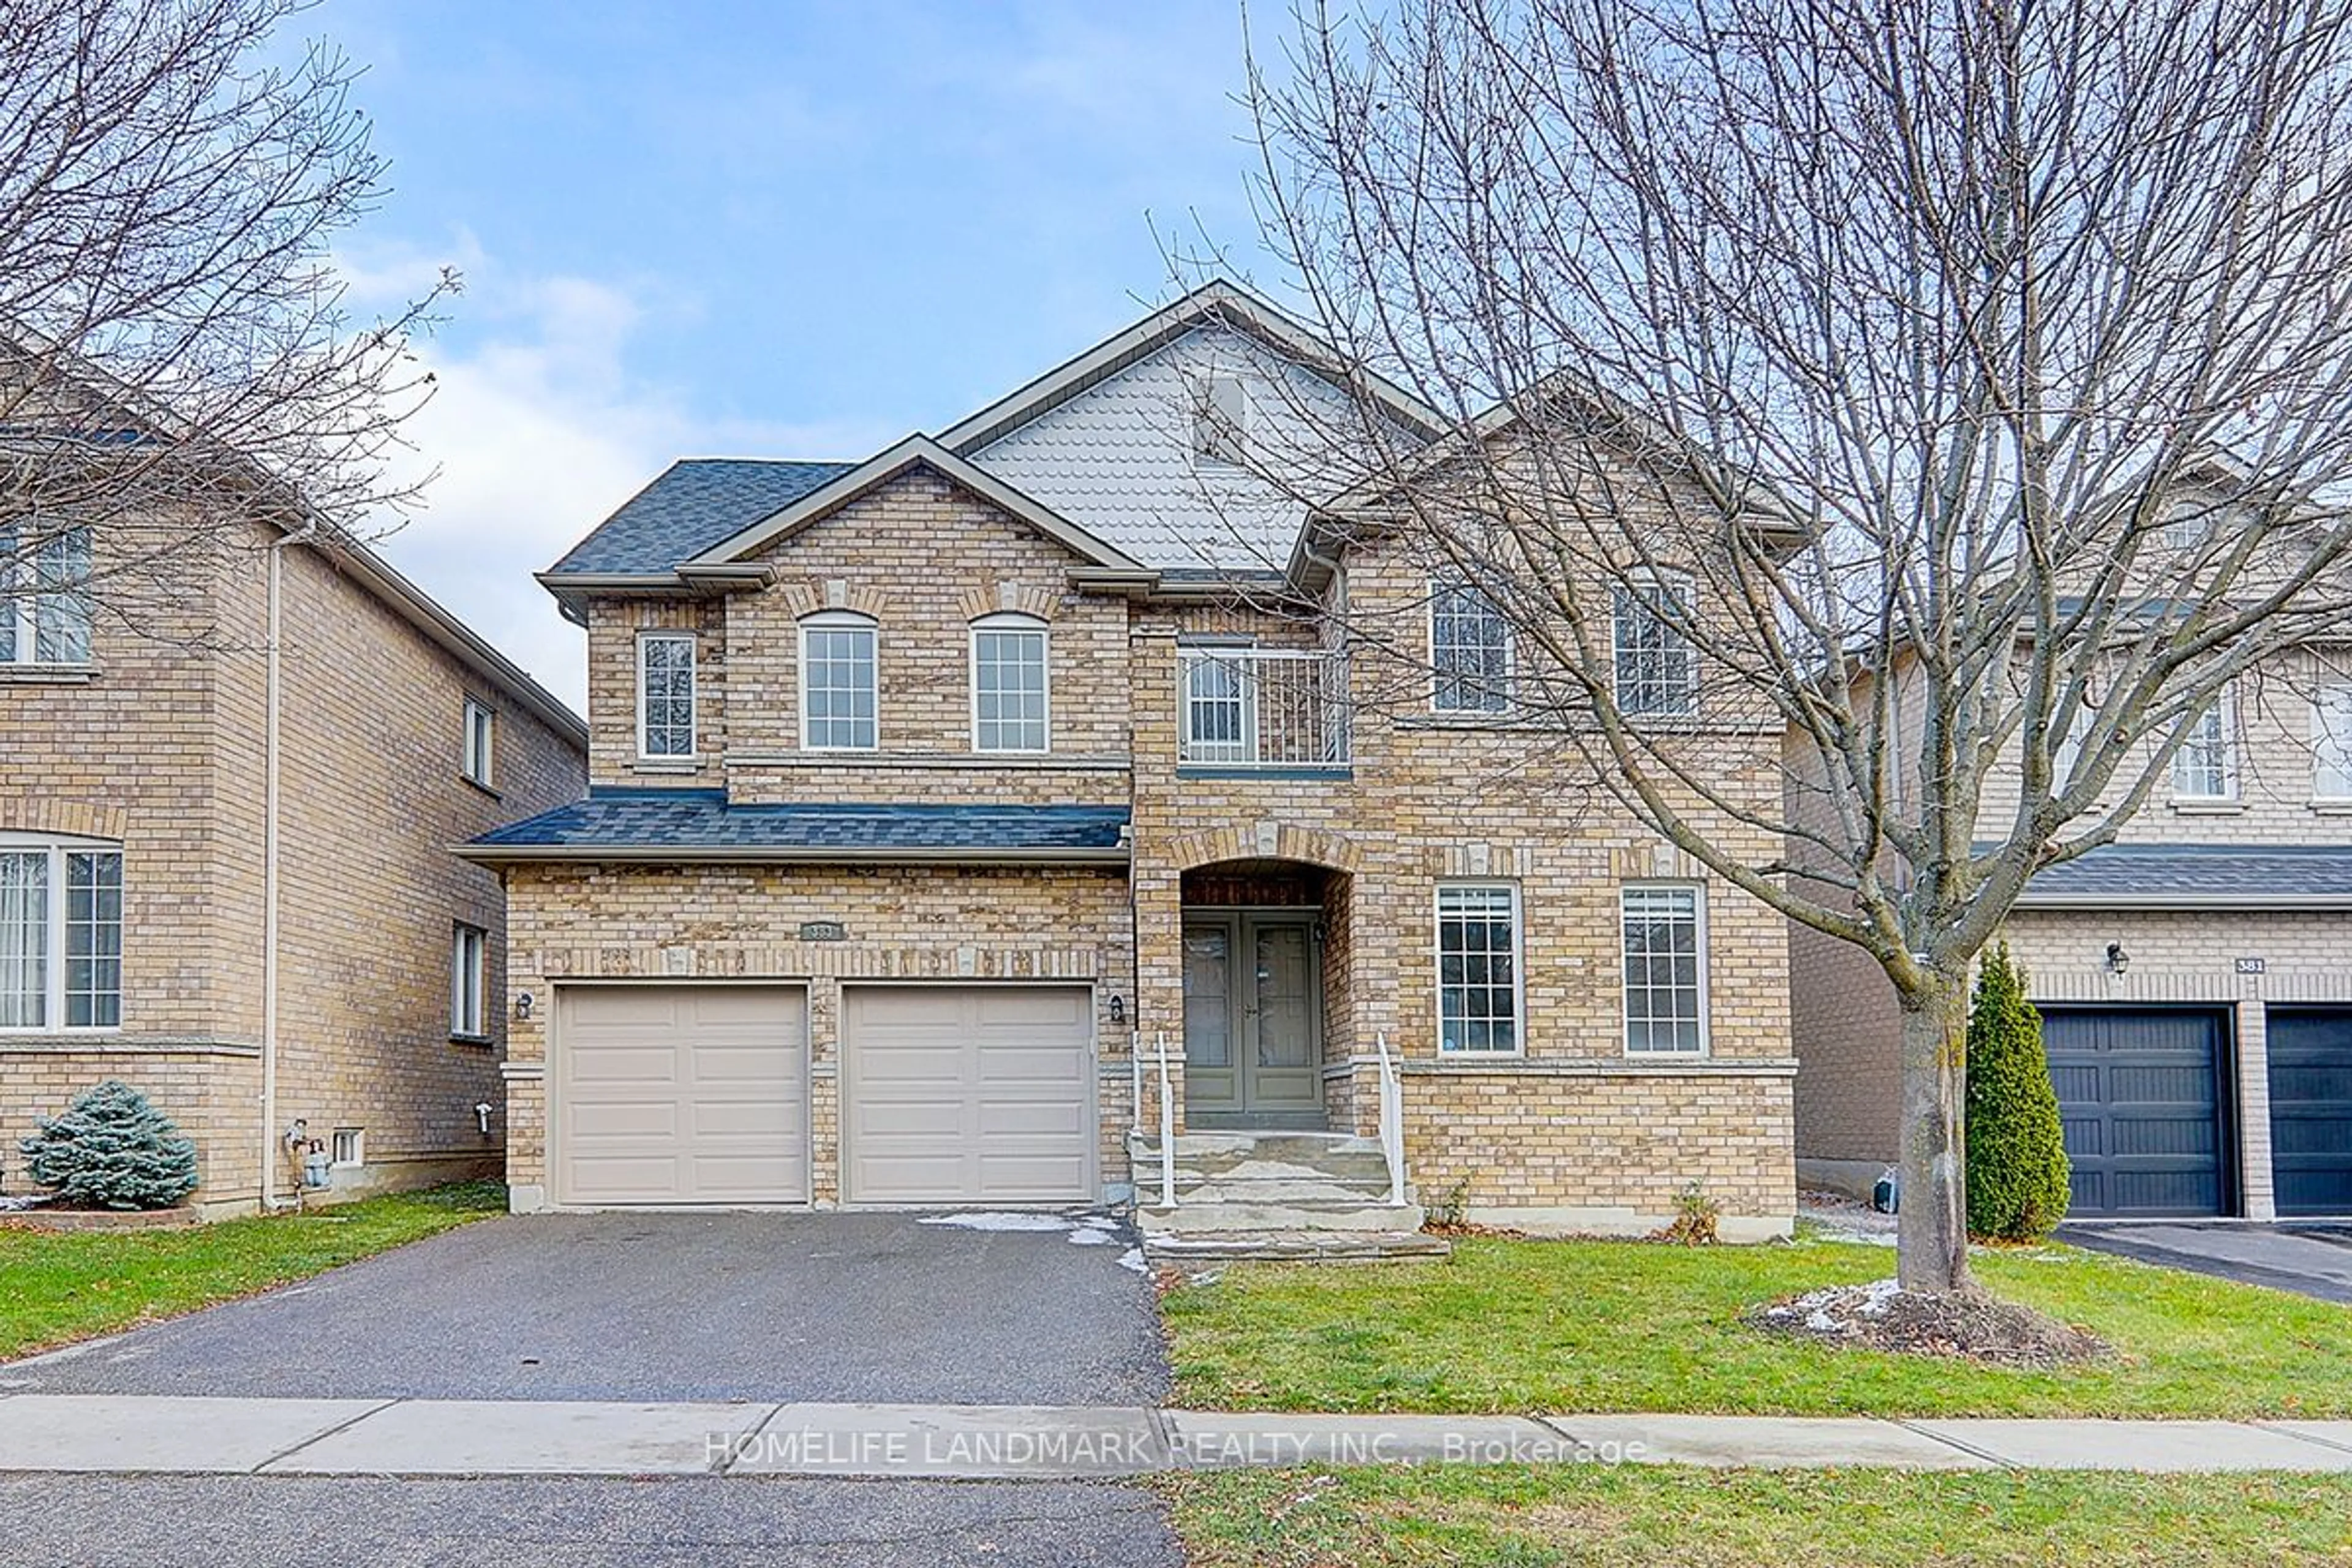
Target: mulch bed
[(1968, 1327)]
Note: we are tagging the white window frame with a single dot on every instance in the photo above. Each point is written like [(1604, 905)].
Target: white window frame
[(1219, 435), (23, 606), (347, 1148), (1439, 915), (2323, 742), (646, 640), (840, 621), (1008, 623), (469, 983), (1697, 890), (1504, 696), (1679, 586), (2223, 713), (54, 923), (479, 758)]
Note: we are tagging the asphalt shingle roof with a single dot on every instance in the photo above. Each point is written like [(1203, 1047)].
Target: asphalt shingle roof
[(692, 819), (2252, 875), (696, 502)]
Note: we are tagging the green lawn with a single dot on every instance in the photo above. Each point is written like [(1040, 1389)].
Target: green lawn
[(1638, 1516), (1597, 1326), (57, 1287)]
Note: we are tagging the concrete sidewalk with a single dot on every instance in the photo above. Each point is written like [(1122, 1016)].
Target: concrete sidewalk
[(131, 1434)]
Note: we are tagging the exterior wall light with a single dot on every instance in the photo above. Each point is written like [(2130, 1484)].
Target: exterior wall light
[(522, 1006), (1117, 1008), (2119, 960)]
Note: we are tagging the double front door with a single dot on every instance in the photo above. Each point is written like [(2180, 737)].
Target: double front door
[(1251, 1021)]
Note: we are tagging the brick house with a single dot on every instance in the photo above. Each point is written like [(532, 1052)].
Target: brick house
[(2192, 977), (225, 874), (960, 818)]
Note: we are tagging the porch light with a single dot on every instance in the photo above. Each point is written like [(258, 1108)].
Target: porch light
[(523, 1005), (2119, 960), (1117, 1008)]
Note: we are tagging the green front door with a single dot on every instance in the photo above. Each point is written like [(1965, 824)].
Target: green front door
[(1251, 1014)]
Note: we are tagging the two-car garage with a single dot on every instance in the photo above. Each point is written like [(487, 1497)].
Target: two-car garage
[(2147, 1097), (689, 1095)]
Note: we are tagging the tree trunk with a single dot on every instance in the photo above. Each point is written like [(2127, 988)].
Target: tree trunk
[(1932, 1228)]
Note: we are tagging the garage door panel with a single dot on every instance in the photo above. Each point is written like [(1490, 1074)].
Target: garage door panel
[(2140, 1108), (680, 1094), (2311, 1110), (968, 1094)]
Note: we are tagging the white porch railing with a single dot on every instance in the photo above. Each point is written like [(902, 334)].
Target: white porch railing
[(1262, 708), (1391, 1123), (1167, 1129)]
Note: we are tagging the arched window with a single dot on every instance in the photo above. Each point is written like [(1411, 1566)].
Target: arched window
[(1011, 683), (837, 682)]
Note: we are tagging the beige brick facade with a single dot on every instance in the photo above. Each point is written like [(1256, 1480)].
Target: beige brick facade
[(1570, 1133), (160, 746)]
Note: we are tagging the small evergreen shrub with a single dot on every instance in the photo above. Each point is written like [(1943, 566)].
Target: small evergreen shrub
[(2017, 1165), (111, 1149)]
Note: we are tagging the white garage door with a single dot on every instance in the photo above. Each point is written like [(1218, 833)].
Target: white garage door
[(968, 1094), (680, 1094)]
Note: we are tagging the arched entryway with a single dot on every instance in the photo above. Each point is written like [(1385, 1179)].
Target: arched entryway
[(1267, 991)]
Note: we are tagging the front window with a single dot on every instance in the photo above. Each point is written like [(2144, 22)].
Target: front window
[(665, 695), (44, 600), (468, 982), (837, 697), (2202, 766), (1469, 651), (1664, 969), (479, 726), (1655, 674), (60, 936), (2331, 741), (1008, 684), (1220, 700), (1478, 967)]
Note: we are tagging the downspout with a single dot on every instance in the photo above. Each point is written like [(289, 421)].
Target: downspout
[(269, 1149)]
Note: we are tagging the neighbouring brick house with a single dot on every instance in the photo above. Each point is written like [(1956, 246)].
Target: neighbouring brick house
[(2195, 980), (940, 803), (225, 867)]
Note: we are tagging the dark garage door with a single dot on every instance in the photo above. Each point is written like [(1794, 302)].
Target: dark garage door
[(2140, 1091), (2311, 1109)]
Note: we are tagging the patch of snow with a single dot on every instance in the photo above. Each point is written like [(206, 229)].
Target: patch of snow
[(1132, 1260), (1821, 1308), (22, 1201), (1099, 1222), (1000, 1222), (1086, 1236)]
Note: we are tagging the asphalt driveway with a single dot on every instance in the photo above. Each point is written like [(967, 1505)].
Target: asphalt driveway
[(2312, 1259), (831, 1308)]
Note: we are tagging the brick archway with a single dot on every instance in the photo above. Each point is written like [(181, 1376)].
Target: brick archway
[(1265, 840)]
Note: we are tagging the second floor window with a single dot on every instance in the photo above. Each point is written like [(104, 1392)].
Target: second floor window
[(1469, 651), (60, 936), (1008, 684), (1656, 673), (1220, 420), (2203, 768), (481, 726), (837, 695), (2331, 741), (665, 694), (44, 600)]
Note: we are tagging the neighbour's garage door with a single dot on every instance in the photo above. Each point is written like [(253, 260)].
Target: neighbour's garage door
[(2311, 1109), (967, 1094), (2140, 1091), (680, 1094)]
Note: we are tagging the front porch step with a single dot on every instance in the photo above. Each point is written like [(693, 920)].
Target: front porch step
[(1177, 1251), (1224, 1216)]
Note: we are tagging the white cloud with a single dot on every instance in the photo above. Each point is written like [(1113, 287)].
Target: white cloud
[(540, 430)]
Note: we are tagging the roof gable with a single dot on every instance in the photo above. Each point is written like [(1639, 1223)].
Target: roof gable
[(915, 450)]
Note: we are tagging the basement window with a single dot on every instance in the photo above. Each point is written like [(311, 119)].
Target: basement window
[(348, 1147)]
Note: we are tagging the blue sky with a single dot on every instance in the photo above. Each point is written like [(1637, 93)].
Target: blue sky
[(796, 230)]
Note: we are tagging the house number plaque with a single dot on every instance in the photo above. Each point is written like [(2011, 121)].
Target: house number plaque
[(824, 931), (2251, 965)]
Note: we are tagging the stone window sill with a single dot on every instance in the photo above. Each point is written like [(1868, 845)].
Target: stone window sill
[(2208, 807), (47, 674), (456, 1038)]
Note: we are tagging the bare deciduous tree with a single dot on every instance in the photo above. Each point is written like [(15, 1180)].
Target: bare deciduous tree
[(1962, 391), (176, 353)]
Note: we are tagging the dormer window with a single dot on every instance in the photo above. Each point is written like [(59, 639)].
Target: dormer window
[(1220, 420)]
